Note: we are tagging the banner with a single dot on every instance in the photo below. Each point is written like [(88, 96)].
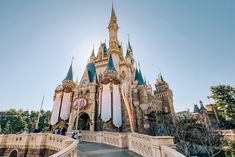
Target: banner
[(66, 106), (106, 103), (126, 94), (117, 114), (56, 109)]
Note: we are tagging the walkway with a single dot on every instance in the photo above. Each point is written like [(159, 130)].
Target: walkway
[(88, 149)]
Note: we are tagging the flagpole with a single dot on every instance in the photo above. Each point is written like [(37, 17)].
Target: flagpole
[(78, 110), (39, 112)]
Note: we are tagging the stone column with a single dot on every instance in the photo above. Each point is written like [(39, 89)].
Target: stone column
[(70, 127)]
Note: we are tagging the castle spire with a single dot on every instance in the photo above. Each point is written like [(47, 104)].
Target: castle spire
[(69, 75), (140, 78), (113, 28), (113, 15), (160, 79), (93, 51), (129, 44), (129, 48)]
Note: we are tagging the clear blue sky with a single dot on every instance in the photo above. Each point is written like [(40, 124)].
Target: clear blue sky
[(192, 42)]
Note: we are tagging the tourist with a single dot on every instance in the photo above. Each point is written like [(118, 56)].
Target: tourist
[(56, 130), (79, 136), (74, 135), (63, 131)]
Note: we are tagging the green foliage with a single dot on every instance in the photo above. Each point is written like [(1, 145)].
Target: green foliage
[(224, 97), (191, 135), (13, 121)]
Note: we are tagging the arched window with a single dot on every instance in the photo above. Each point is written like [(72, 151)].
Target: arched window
[(13, 153)]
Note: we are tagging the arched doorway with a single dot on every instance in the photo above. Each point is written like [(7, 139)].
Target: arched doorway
[(83, 122), (13, 153)]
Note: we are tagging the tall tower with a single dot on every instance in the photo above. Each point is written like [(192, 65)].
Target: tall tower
[(113, 30), (164, 93), (63, 100), (114, 47)]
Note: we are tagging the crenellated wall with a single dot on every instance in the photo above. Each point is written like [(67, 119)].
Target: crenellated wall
[(38, 145)]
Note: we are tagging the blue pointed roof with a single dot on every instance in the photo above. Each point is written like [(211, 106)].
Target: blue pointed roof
[(91, 71), (110, 66), (104, 47), (127, 52), (136, 74), (161, 78), (140, 78), (69, 75), (196, 109)]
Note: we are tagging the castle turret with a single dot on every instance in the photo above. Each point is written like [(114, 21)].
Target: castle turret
[(164, 93), (63, 100), (92, 57), (68, 83)]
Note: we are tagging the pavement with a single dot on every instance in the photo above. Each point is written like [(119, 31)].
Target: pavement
[(89, 149)]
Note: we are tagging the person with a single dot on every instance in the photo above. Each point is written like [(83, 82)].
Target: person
[(79, 136), (56, 131), (63, 131), (74, 135), (59, 131)]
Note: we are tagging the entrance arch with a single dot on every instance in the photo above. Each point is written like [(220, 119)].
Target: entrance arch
[(13, 153), (84, 122)]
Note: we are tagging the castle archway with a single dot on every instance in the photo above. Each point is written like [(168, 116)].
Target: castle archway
[(13, 153), (84, 122)]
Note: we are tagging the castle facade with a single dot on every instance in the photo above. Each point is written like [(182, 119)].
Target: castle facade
[(112, 94)]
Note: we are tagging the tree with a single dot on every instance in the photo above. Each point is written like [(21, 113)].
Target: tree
[(224, 97), (13, 121), (191, 135)]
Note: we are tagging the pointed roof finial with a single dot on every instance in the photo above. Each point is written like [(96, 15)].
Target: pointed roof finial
[(72, 60), (93, 51), (113, 15), (129, 44), (139, 64), (161, 77)]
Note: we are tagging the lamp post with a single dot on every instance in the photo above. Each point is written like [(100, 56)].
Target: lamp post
[(76, 127)]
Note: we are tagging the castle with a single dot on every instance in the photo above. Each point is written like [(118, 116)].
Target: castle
[(112, 94)]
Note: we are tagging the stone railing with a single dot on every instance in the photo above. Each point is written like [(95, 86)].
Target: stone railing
[(110, 138), (152, 146), (229, 134), (92, 136), (147, 146), (169, 152), (56, 145)]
